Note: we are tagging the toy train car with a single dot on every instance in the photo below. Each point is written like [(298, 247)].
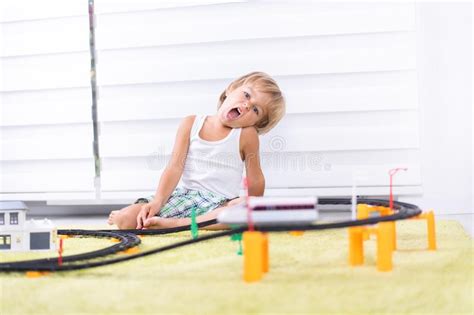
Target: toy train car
[(272, 211)]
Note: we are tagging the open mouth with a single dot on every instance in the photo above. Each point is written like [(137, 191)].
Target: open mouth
[(233, 114)]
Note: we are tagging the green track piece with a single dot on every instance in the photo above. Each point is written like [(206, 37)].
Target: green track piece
[(194, 226), (237, 237)]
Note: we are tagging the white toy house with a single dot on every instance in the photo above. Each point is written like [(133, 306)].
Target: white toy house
[(17, 234)]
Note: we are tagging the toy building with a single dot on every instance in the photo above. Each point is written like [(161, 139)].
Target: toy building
[(17, 234)]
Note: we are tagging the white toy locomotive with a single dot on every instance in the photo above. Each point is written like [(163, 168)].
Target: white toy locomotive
[(272, 211)]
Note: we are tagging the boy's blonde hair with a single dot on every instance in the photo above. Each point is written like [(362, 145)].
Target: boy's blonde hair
[(264, 84)]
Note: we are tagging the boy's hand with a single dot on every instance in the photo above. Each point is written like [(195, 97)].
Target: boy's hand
[(148, 210)]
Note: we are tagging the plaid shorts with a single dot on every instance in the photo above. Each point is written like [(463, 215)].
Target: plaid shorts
[(182, 201)]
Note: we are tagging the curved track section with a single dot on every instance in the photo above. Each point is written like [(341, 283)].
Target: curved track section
[(126, 241), (128, 238)]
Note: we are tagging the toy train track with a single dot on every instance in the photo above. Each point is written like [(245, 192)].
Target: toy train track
[(126, 241), (128, 238)]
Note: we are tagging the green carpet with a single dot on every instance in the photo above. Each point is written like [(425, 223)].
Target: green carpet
[(308, 274)]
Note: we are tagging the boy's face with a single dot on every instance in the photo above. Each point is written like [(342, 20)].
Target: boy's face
[(243, 107)]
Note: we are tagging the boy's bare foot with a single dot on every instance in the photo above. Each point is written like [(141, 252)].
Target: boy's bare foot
[(113, 217), (163, 223)]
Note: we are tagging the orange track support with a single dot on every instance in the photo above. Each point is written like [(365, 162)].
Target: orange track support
[(266, 258), (430, 226), (255, 255), (356, 246), (383, 231), (296, 233)]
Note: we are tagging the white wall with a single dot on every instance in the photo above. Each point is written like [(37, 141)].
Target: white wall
[(348, 71), (45, 125), (444, 44)]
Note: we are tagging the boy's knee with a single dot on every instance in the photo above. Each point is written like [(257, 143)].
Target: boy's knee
[(236, 201), (132, 207)]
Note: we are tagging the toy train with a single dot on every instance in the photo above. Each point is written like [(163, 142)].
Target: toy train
[(272, 211)]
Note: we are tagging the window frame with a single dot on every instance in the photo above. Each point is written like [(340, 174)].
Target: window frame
[(14, 218)]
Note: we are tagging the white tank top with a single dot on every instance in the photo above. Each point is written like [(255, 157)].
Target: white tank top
[(215, 166)]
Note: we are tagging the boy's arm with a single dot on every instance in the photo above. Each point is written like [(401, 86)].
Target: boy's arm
[(172, 173), (250, 151)]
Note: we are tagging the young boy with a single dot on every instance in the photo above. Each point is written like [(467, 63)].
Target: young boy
[(208, 156)]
